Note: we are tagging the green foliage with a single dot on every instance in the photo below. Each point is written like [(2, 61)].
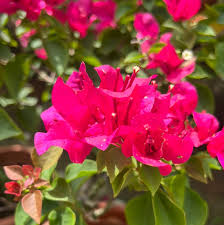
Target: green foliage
[(74, 171), (64, 216), (58, 55), (8, 128), (206, 99), (59, 191), (21, 218), (113, 160), (139, 210), (151, 177)]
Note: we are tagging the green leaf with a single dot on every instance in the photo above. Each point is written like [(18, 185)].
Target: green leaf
[(195, 169), (63, 216), (120, 181), (196, 209), (15, 74), (151, 177), (199, 73), (92, 60), (21, 218), (74, 171), (113, 160), (205, 30), (178, 188), (139, 210), (57, 54), (157, 47), (5, 53), (148, 4), (60, 191), (48, 159), (133, 57), (206, 99), (166, 212), (8, 128), (219, 53), (46, 174)]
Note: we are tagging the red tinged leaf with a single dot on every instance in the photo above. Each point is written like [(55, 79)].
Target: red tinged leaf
[(27, 170), (13, 188), (32, 205), (13, 172), (40, 183)]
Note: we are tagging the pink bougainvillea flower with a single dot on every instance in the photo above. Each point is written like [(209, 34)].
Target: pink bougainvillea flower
[(24, 39), (78, 16), (32, 8), (169, 62), (206, 126), (13, 188), (216, 146), (78, 119), (184, 99), (139, 2), (147, 30), (54, 2), (183, 9), (8, 6), (152, 144), (104, 12), (41, 53)]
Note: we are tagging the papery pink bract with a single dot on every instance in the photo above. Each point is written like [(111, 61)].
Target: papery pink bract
[(41, 53), (206, 126), (216, 146), (78, 16), (104, 12), (147, 30), (183, 9), (169, 62)]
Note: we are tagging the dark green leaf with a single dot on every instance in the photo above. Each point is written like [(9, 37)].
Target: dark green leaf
[(139, 211), (178, 188), (114, 161), (195, 169), (8, 128), (205, 30), (74, 171), (60, 191), (199, 73), (58, 55), (120, 181), (5, 53), (206, 99), (63, 216), (151, 177), (219, 53), (166, 212), (196, 209), (15, 74)]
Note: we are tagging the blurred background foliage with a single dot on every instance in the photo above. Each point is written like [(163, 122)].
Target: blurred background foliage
[(26, 80)]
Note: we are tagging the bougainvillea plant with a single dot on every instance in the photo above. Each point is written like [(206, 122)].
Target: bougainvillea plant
[(124, 89)]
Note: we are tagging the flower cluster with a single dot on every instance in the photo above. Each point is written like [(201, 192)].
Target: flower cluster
[(24, 178), (78, 14), (166, 59), (152, 127)]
